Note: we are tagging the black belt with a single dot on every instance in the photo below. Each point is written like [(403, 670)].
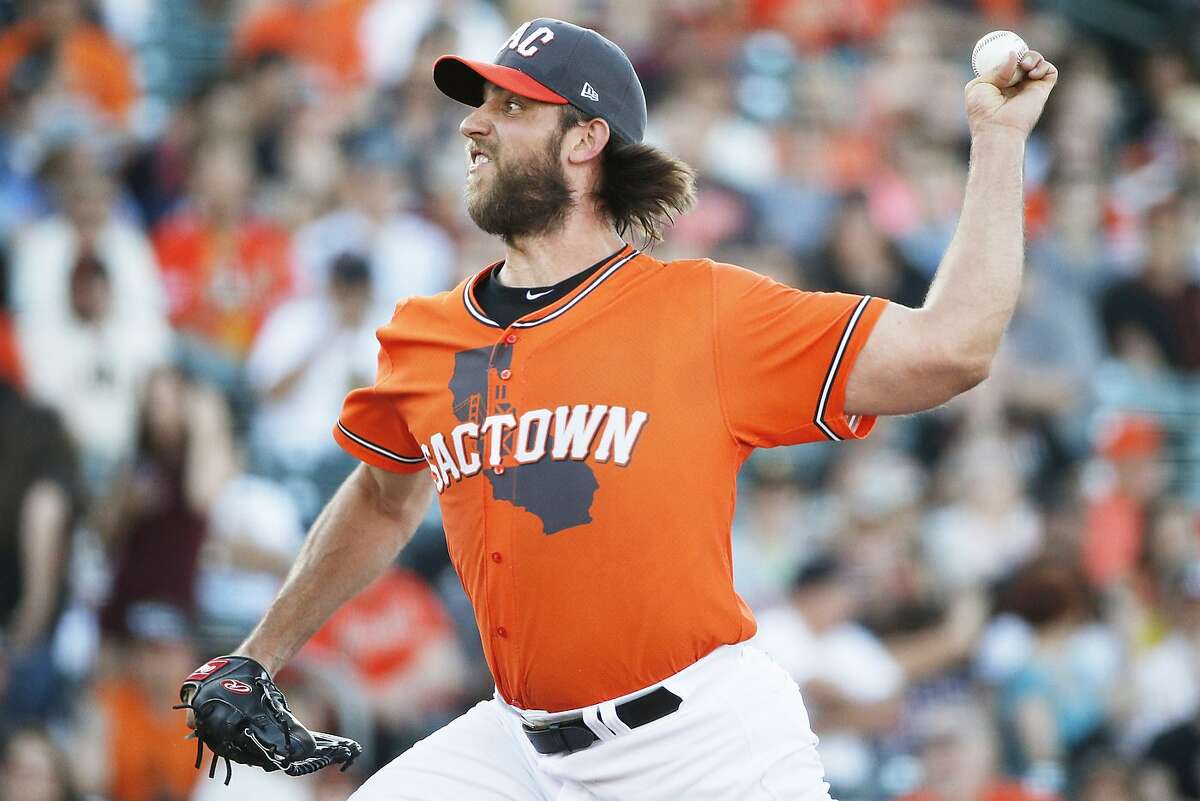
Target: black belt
[(573, 734)]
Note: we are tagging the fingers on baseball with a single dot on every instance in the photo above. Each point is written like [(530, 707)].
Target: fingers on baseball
[(1035, 65)]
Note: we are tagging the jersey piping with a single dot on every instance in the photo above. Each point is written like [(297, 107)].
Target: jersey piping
[(819, 418), (382, 451), (570, 302)]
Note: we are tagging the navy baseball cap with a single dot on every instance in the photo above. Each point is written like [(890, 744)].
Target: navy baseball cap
[(555, 62)]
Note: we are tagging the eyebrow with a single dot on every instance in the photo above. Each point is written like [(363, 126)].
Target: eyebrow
[(490, 89)]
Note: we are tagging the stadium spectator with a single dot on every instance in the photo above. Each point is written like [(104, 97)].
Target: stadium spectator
[(33, 768), (160, 502), (133, 745), (397, 641), (407, 254), (91, 313), (1168, 664), (92, 366), (38, 507), (1130, 447), (254, 534), (960, 757), (989, 528), (1057, 701), (1153, 319), (225, 268), (852, 685), (74, 57), (861, 259), (87, 220), (311, 349)]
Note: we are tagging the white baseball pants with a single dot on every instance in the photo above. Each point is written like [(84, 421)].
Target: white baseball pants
[(741, 732)]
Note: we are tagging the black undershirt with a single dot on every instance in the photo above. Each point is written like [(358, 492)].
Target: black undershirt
[(507, 304)]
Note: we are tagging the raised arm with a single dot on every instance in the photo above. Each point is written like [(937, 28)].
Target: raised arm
[(916, 359), (356, 537)]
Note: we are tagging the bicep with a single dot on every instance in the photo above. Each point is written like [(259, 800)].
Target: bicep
[(906, 366)]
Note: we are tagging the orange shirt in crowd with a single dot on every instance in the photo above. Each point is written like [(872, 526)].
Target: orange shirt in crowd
[(90, 62), (221, 287), (322, 32), (585, 457), (148, 758), (383, 629), (997, 792), (1112, 538)]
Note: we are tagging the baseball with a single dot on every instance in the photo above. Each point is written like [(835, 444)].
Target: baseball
[(992, 51)]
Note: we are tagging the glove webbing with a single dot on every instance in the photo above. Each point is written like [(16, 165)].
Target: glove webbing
[(275, 704)]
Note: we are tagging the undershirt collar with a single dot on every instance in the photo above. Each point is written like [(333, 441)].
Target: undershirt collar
[(507, 304)]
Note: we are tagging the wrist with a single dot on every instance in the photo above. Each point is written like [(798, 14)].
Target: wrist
[(269, 662), (997, 135)]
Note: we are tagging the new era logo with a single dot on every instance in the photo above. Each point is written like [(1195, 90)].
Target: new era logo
[(590, 93)]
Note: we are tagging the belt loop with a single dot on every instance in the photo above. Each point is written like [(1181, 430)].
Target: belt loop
[(608, 716), (591, 719)]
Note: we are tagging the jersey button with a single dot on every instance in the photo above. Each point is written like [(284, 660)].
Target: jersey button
[(511, 339), (496, 557), (498, 470), (501, 631), (505, 374)]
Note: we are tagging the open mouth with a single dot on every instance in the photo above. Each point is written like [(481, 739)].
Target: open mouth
[(478, 158)]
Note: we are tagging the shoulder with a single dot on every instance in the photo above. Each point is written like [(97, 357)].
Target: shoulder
[(428, 312), (702, 272)]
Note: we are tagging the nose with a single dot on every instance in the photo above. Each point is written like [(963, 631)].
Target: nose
[(475, 124)]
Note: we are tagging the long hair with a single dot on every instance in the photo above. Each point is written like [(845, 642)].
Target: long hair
[(641, 189)]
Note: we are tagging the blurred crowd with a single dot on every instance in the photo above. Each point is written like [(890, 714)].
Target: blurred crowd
[(208, 206)]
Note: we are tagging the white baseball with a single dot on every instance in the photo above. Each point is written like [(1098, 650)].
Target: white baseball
[(992, 51)]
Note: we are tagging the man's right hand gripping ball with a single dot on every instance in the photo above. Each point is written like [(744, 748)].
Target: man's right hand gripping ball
[(239, 713)]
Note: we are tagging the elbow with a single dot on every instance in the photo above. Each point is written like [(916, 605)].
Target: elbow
[(971, 372)]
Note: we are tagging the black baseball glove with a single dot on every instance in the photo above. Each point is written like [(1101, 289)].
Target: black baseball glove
[(242, 716)]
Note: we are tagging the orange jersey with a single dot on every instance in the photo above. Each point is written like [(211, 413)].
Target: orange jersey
[(585, 457)]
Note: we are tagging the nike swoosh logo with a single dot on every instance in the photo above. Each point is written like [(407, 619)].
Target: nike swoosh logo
[(535, 295)]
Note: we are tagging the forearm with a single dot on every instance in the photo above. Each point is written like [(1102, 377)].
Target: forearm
[(44, 519), (979, 280), (355, 538)]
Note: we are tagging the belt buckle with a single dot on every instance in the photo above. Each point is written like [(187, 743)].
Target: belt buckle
[(536, 727)]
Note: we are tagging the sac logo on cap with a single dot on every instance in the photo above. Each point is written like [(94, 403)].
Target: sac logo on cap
[(528, 45)]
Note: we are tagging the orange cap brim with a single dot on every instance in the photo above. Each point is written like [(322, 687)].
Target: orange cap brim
[(462, 79)]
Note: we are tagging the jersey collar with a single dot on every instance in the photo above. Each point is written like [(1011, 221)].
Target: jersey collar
[(555, 310)]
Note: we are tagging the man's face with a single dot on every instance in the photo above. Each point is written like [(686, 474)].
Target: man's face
[(516, 185)]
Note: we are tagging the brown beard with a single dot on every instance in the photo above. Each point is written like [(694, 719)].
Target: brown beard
[(525, 199)]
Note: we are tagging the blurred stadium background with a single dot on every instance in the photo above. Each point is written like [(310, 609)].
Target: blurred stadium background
[(207, 206)]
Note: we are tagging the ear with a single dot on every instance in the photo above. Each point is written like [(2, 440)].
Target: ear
[(586, 141)]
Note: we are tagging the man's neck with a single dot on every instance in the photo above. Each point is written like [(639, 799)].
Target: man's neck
[(549, 258)]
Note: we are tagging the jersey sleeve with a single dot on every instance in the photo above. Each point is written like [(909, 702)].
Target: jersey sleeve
[(784, 356), (370, 427)]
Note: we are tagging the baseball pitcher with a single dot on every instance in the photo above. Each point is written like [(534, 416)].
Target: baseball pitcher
[(580, 409)]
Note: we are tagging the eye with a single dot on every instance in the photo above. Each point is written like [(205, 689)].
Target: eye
[(512, 106)]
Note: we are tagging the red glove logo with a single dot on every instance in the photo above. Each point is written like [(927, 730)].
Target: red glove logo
[(207, 669), (235, 686)]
